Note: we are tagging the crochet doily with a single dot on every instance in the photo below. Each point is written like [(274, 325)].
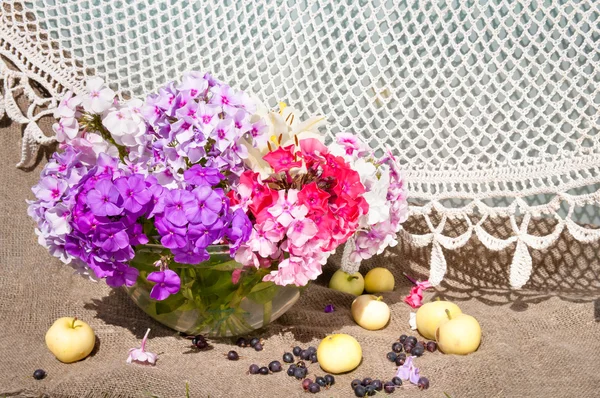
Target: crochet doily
[(492, 106)]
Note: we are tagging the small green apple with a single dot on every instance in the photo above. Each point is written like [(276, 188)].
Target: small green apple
[(459, 334), (370, 312), (339, 353), (431, 315), (347, 283), (70, 339), (379, 280)]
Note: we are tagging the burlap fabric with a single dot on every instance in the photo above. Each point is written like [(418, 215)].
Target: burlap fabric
[(540, 341)]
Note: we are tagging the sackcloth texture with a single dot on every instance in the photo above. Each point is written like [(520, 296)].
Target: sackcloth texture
[(539, 341)]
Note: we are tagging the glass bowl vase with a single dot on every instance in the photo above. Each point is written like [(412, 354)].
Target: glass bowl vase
[(208, 301)]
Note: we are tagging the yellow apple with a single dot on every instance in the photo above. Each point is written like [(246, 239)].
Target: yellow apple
[(379, 280), (347, 283), (431, 315), (70, 339), (339, 353), (460, 334), (370, 312)]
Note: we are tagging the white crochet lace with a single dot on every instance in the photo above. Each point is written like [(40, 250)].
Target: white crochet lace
[(492, 106)]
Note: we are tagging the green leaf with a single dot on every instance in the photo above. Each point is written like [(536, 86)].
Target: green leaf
[(263, 292), (144, 260), (170, 304)]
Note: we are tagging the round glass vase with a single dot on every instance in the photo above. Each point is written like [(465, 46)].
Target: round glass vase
[(208, 302)]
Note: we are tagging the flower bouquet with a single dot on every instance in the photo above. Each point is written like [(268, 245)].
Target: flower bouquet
[(210, 209)]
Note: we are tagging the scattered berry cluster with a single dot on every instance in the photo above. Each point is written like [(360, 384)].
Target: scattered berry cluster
[(369, 387), (253, 342), (320, 381), (274, 367), (410, 345), (310, 354)]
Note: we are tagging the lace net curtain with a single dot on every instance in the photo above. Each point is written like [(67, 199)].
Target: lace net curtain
[(492, 106)]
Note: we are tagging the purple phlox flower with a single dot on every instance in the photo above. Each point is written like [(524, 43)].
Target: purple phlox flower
[(50, 189), (134, 192), (156, 203), (199, 175), (206, 208), (409, 371), (190, 255), (176, 204), (239, 230), (104, 199), (122, 275), (206, 117), (226, 98), (258, 131), (107, 164), (140, 355), (167, 283), (173, 237), (136, 235), (204, 235), (329, 308), (58, 219), (166, 98), (223, 134), (247, 102), (241, 121), (212, 81), (111, 237), (188, 112), (195, 82)]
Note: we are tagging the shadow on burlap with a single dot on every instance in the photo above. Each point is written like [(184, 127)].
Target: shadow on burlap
[(539, 341)]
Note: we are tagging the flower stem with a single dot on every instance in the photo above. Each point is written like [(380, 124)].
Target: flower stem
[(409, 278), (267, 311), (144, 339)]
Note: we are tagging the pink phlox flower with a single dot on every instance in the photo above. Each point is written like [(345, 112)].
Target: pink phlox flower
[(287, 208), (351, 143), (283, 159), (300, 231), (140, 355), (415, 297)]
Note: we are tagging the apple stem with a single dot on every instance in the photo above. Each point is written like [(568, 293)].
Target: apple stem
[(351, 277), (448, 313), (73, 324)]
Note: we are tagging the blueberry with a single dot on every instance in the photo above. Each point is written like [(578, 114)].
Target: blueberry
[(241, 342), (314, 388), (264, 370), (397, 381), (377, 384), (356, 382), (329, 379), (39, 374), (412, 340), (201, 344), (360, 391), (408, 348), (321, 381), (389, 387), (431, 346), (258, 347), (300, 373), (306, 383), (312, 350), (291, 370), (275, 366), (313, 358), (371, 390), (397, 347), (305, 354), (233, 356), (402, 338), (297, 350), (418, 350), (391, 356), (366, 381), (253, 369), (423, 383), (288, 357), (400, 360), (254, 341)]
